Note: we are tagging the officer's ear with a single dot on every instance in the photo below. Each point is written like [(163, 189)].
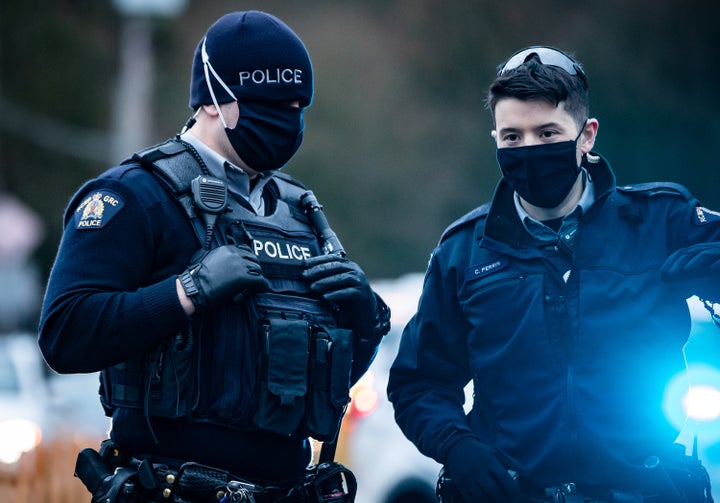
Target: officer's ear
[(211, 110), (588, 135)]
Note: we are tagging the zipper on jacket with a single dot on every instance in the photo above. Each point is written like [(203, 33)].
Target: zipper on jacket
[(571, 339)]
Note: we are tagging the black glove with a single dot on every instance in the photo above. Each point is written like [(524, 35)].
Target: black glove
[(339, 280), (223, 273), (478, 474), (692, 262)]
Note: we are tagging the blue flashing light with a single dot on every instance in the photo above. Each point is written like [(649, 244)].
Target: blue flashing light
[(702, 403), (692, 401)]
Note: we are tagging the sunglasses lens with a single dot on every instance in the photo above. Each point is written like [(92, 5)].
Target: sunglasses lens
[(547, 56)]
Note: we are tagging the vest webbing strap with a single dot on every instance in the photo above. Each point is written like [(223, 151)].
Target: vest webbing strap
[(176, 166)]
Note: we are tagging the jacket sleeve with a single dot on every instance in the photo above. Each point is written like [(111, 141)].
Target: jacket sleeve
[(693, 264), (428, 376), (105, 301), (365, 348)]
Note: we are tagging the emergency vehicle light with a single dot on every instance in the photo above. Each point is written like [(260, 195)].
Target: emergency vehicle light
[(692, 402), (702, 403)]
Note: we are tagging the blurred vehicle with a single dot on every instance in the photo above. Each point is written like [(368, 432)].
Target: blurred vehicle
[(45, 420), (389, 468), (23, 395), (75, 405)]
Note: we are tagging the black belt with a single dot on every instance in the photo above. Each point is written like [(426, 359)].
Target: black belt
[(203, 483), (567, 493), (113, 477)]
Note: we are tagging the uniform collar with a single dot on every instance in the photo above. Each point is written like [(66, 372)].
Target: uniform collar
[(539, 229), (238, 181), (504, 222), (214, 161)]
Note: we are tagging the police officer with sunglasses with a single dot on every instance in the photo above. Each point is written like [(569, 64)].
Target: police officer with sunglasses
[(563, 301)]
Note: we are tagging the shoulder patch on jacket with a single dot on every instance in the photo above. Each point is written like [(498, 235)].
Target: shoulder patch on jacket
[(97, 208), (703, 216), (657, 188), (472, 216)]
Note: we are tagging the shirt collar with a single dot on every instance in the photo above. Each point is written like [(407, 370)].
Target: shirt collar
[(239, 181), (214, 161), (503, 222), (587, 198)]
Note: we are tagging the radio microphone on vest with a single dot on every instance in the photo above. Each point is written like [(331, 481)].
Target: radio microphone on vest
[(210, 196), (314, 211)]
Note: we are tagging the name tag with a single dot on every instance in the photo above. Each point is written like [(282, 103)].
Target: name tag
[(481, 270)]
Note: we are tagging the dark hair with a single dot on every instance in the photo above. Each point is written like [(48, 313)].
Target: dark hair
[(533, 80)]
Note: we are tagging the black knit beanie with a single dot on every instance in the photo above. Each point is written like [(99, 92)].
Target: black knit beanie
[(257, 56)]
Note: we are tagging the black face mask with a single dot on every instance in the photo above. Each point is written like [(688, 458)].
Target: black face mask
[(267, 134), (541, 174)]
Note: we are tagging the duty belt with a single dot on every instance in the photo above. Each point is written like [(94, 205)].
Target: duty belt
[(568, 493), (135, 480)]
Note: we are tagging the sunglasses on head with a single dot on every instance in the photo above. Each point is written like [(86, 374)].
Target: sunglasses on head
[(547, 56)]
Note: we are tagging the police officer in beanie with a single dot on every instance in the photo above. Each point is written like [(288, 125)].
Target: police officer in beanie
[(226, 325), (563, 301)]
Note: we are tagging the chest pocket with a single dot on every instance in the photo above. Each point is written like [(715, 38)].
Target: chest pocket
[(304, 370)]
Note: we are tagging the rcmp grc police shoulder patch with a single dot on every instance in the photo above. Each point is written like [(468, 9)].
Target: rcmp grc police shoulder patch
[(705, 216), (97, 209)]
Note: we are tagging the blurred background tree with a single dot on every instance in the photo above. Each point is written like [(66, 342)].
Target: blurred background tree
[(397, 141)]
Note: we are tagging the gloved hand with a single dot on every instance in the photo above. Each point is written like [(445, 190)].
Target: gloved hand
[(478, 474), (692, 262), (223, 273), (339, 280)]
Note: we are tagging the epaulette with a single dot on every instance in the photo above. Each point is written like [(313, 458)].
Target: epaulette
[(288, 178), (657, 188), (471, 217), (173, 161), (291, 191)]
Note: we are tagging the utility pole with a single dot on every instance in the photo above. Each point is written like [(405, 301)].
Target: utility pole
[(133, 112)]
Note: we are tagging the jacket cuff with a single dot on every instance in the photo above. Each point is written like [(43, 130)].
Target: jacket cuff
[(380, 324), (382, 317)]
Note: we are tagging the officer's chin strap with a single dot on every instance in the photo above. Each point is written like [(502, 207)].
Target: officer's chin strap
[(710, 306)]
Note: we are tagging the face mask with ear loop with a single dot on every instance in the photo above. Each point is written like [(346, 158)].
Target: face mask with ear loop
[(267, 134), (541, 174)]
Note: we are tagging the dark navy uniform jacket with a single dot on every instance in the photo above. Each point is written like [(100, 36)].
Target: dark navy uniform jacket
[(112, 296), (569, 347)]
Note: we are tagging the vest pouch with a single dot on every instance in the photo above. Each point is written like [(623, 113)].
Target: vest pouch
[(162, 384), (120, 386), (283, 374), (329, 394), (170, 389)]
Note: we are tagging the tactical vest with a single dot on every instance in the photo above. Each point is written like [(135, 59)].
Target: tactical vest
[(276, 361)]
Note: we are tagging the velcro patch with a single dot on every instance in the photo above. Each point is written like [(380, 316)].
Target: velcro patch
[(704, 216), (281, 250), (97, 209), (478, 271)]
